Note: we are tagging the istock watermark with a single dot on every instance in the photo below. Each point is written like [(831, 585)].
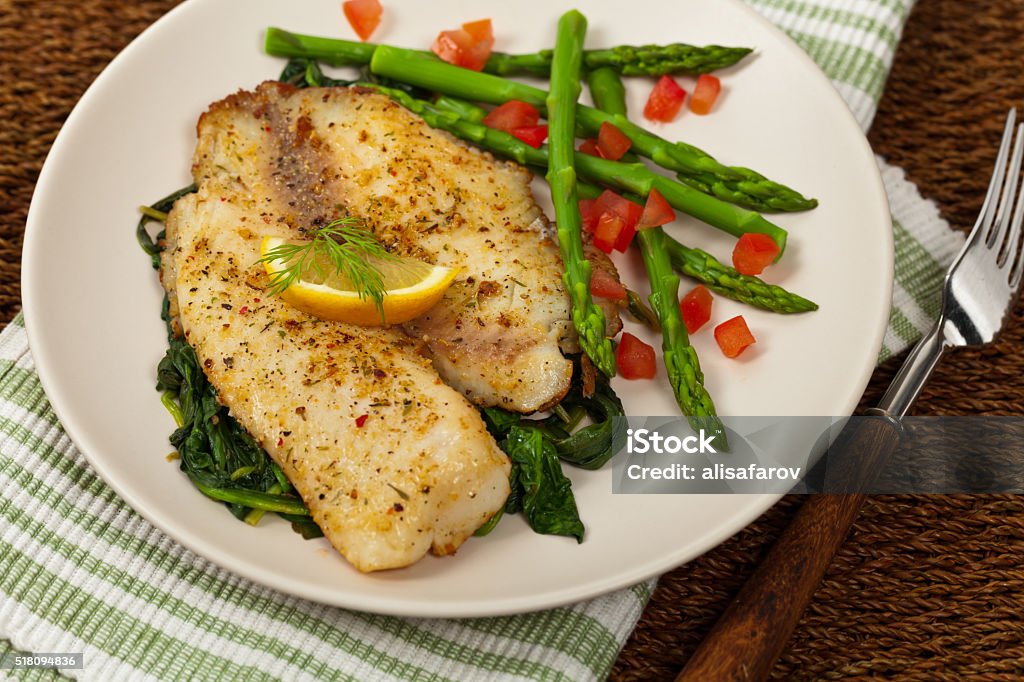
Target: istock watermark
[(778, 455), (642, 441)]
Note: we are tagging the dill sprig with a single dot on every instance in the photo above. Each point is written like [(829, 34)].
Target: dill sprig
[(346, 247)]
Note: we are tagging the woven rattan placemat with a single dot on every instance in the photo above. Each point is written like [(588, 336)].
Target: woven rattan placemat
[(926, 587)]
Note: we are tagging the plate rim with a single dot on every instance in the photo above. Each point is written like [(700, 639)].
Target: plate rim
[(497, 606)]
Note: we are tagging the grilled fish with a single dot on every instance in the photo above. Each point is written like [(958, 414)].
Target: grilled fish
[(391, 461), (499, 332)]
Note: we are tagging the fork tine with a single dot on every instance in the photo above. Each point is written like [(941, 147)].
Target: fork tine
[(1007, 200), (1014, 243), (988, 208)]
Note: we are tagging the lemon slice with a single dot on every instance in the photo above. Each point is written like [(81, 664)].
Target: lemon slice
[(411, 288)]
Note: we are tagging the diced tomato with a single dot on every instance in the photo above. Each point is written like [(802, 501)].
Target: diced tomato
[(733, 336), (609, 225), (611, 203), (363, 16), (753, 253), (477, 56), (589, 146), (625, 237), (657, 212), (453, 46), (480, 30), (612, 143), (634, 358), (531, 135), (696, 308), (468, 47), (361, 419), (603, 284), (511, 115), (482, 34), (705, 94), (588, 215), (664, 101)]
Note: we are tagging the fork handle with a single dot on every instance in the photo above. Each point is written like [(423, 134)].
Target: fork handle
[(753, 631), (914, 371)]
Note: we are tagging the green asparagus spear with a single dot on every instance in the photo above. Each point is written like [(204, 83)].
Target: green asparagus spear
[(681, 362), (643, 60), (739, 185), (628, 60), (629, 177), (587, 317), (588, 190), (281, 43), (607, 91), (461, 108), (726, 281)]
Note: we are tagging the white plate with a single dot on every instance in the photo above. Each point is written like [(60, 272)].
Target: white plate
[(92, 301)]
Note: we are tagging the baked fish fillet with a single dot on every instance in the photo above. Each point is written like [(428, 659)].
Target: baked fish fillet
[(496, 335), (420, 472)]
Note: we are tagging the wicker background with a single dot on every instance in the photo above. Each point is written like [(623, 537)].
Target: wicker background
[(926, 587)]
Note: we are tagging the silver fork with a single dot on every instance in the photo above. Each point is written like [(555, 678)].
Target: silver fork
[(979, 291), (981, 284)]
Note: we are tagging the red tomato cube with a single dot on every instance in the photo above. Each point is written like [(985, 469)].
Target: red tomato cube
[(625, 237), (733, 336), (363, 16), (531, 135), (607, 231), (664, 101), (480, 31), (612, 142), (511, 115), (696, 308), (453, 46), (603, 284), (468, 47), (476, 56), (753, 253), (483, 43), (588, 215), (634, 358), (589, 146), (705, 94), (657, 211), (610, 202)]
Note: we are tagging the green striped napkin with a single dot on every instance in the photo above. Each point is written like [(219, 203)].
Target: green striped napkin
[(81, 572)]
